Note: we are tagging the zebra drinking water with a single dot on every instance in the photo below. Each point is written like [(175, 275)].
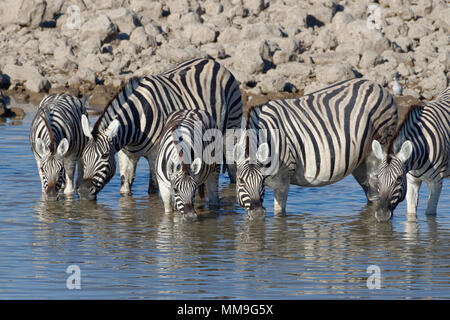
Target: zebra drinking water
[(133, 121), (419, 151), (316, 140), (180, 164), (57, 142)]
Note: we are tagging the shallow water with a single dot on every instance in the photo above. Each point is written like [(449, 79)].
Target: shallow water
[(126, 247)]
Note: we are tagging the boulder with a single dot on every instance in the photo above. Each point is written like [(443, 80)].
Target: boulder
[(100, 27), (29, 13), (33, 79), (335, 72)]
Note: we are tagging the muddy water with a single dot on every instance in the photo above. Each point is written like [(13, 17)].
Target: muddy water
[(128, 248)]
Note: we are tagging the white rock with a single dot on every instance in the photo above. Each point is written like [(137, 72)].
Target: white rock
[(100, 27), (142, 39), (248, 56), (199, 34), (332, 73), (22, 12), (91, 62), (124, 19), (34, 81), (369, 59)]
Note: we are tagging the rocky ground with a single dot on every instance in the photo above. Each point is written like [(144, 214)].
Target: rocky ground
[(276, 48)]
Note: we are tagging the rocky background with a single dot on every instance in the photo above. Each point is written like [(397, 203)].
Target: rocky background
[(276, 48)]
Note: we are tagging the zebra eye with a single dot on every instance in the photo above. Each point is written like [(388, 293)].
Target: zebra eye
[(105, 155)]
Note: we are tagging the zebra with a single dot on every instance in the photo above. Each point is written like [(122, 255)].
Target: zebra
[(419, 151), (180, 165), (314, 140), (57, 142), (133, 121)]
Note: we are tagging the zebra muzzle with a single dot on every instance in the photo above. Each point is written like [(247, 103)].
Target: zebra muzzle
[(86, 190), (51, 193)]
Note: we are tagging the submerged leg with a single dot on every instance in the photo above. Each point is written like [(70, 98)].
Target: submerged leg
[(127, 172), (434, 189), (412, 196)]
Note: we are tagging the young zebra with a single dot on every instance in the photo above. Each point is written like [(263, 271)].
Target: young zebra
[(180, 168), (133, 122), (57, 142), (420, 151), (313, 141)]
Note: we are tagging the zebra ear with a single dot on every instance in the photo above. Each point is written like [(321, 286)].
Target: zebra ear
[(262, 155), (86, 127), (405, 151), (196, 165), (63, 147), (238, 152), (41, 148), (377, 150), (112, 129)]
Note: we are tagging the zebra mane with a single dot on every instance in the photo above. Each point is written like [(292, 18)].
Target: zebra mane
[(49, 129), (96, 128), (390, 145)]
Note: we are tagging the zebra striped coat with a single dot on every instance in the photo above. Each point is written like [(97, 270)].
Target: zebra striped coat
[(133, 122), (313, 141), (420, 151), (57, 142), (180, 164)]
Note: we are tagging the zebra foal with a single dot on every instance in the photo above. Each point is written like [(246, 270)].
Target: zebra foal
[(57, 142), (314, 140), (180, 164), (419, 151)]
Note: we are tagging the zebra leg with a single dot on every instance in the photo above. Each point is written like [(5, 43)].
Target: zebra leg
[(412, 196), (280, 185), (80, 168), (127, 166), (212, 187), (434, 189), (69, 168), (153, 181), (166, 196)]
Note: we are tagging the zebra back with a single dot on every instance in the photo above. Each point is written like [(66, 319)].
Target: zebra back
[(58, 117)]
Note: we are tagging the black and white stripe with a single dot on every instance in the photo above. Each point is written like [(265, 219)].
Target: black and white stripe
[(183, 162), (133, 122), (420, 151), (57, 141), (321, 138)]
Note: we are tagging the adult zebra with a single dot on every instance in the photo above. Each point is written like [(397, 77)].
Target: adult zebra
[(313, 141), (419, 151), (185, 161), (57, 142), (133, 122)]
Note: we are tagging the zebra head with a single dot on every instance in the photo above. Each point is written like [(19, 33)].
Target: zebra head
[(250, 180), (98, 159), (51, 166), (184, 185), (391, 178)]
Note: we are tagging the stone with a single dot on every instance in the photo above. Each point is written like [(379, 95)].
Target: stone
[(28, 13), (100, 27), (369, 59), (33, 79), (91, 62), (142, 39), (124, 19), (199, 34), (332, 73)]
